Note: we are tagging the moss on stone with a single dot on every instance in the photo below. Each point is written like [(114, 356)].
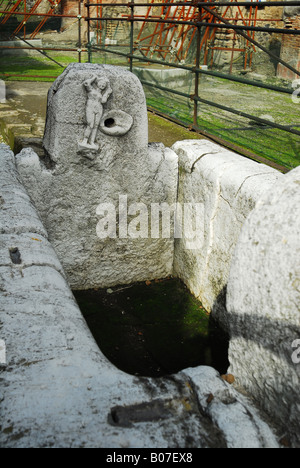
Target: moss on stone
[(153, 328)]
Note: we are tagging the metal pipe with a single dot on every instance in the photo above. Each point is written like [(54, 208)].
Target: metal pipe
[(89, 46), (41, 52), (226, 48), (257, 44), (204, 23), (159, 20), (79, 31), (25, 9), (42, 48), (47, 15), (11, 12), (131, 33), (197, 66), (213, 4), (263, 20)]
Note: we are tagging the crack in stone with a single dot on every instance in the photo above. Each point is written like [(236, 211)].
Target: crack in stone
[(249, 177), (199, 159)]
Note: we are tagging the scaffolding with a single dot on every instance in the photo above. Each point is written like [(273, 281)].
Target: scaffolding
[(172, 41), (23, 8), (173, 32), (166, 30), (185, 35), (21, 12)]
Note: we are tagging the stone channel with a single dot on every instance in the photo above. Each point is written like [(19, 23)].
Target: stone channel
[(82, 215)]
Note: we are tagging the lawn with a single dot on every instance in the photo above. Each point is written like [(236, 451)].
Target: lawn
[(273, 144), (29, 67), (276, 145)]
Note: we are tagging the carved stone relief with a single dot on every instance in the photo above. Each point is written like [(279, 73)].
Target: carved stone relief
[(113, 122)]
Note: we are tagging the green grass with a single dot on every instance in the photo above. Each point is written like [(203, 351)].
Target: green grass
[(28, 66), (275, 145), (47, 70)]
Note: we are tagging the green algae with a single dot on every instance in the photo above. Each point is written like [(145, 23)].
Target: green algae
[(153, 329)]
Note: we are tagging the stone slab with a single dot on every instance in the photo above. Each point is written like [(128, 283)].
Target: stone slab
[(228, 186), (57, 389), (80, 175), (263, 304)]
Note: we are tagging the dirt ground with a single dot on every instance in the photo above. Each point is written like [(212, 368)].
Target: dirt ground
[(22, 119), (27, 104)]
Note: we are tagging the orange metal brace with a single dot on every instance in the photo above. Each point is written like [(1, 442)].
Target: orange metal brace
[(33, 9), (14, 8), (165, 37), (144, 23), (50, 12)]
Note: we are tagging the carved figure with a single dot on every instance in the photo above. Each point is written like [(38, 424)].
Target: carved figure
[(98, 91)]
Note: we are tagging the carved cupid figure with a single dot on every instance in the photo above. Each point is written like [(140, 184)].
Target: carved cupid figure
[(98, 91)]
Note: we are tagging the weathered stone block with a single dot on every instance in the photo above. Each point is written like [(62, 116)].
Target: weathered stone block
[(263, 304), (58, 389), (228, 186), (96, 139), (13, 199)]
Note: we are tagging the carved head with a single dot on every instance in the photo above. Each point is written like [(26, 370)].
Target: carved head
[(102, 82)]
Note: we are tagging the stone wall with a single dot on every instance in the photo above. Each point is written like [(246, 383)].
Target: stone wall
[(246, 253), (57, 390), (17, 43), (78, 177), (228, 186), (290, 46), (69, 26), (42, 8), (263, 304)]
